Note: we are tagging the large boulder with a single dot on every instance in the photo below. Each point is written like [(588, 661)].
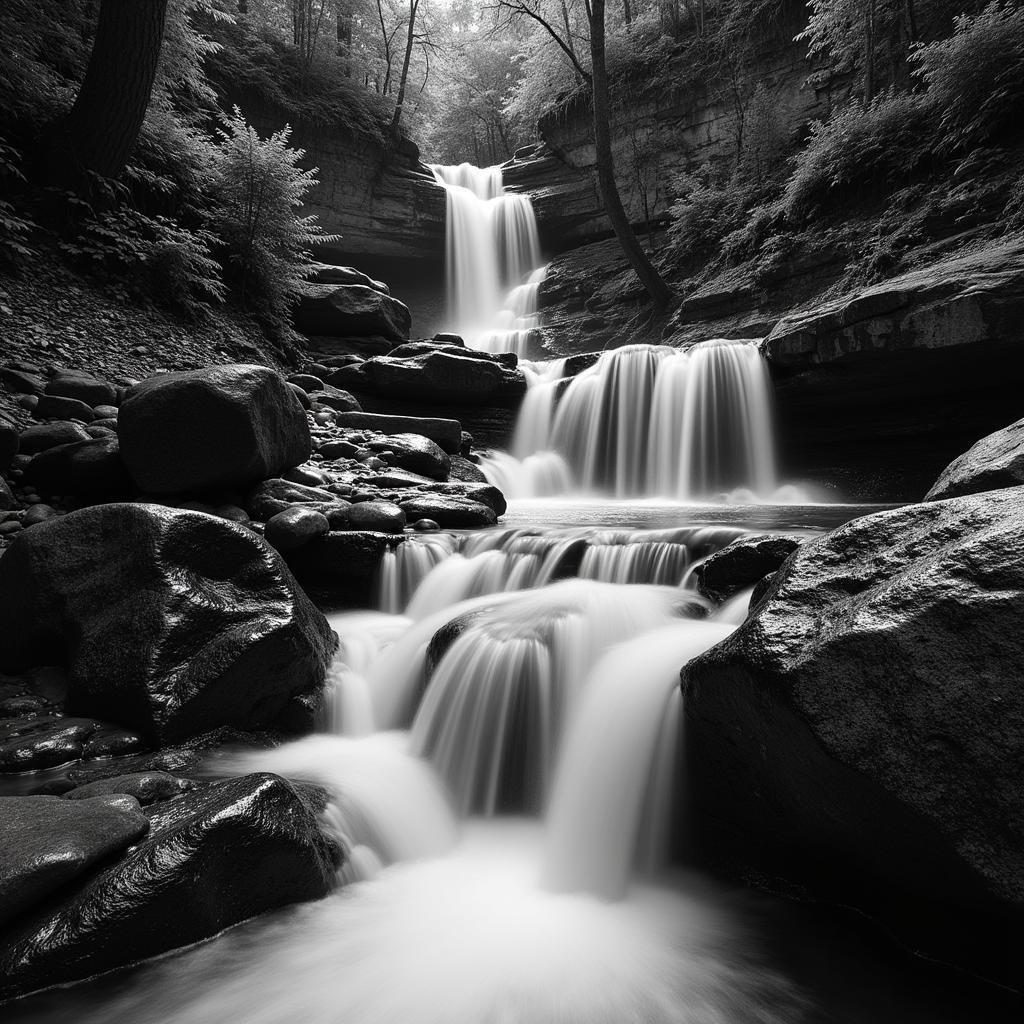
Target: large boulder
[(449, 511), (210, 859), (995, 461), (859, 735), (216, 427), (744, 562), (418, 454), (45, 842), (351, 310), (169, 621)]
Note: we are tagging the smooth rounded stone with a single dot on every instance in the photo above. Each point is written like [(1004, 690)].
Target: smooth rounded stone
[(485, 493), (445, 432), (398, 478), (10, 528), (465, 471), (307, 475), (351, 311), (443, 638), (273, 496), (37, 514), (83, 387), (338, 517), (221, 426), (46, 842), (170, 623), (106, 424), (742, 563), (426, 526), (453, 513), (304, 400), (42, 436), (305, 381), (20, 705), (28, 402), (995, 461), (419, 454), (336, 399), (863, 724), (450, 339), (98, 431), (22, 382), (146, 787), (56, 407), (105, 412), (318, 370), (42, 742), (92, 468), (294, 527), (323, 417), (110, 741), (338, 450), (330, 274), (211, 858), (381, 516), (232, 513)]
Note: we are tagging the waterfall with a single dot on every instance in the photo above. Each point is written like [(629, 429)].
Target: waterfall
[(647, 420), (492, 260)]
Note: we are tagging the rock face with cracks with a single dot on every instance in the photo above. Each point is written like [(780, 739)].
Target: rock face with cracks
[(864, 724), (170, 622)]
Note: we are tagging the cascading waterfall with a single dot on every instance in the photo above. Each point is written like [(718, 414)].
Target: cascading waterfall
[(492, 259)]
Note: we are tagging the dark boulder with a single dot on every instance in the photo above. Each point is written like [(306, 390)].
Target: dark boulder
[(330, 274), (82, 386), (210, 859), (742, 563), (336, 399), (307, 381), (274, 496), (343, 557), (216, 427), (147, 787), (450, 511), (90, 468), (995, 461), (466, 471), (443, 432), (46, 842), (381, 516), (56, 407), (35, 742), (351, 310), (418, 454), (484, 493), (294, 527), (22, 382), (42, 436), (170, 622), (864, 725)]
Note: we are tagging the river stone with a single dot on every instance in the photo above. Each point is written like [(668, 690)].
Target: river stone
[(742, 563), (294, 527), (211, 858), (351, 310), (336, 399), (465, 471), (330, 274), (42, 436), (45, 842), (278, 495), (56, 407), (443, 432), (21, 382), (170, 622), (306, 381), (343, 557), (91, 468), (995, 461), (449, 511), (380, 516), (864, 725), (82, 386), (484, 493), (418, 454), (304, 400), (146, 787), (216, 427)]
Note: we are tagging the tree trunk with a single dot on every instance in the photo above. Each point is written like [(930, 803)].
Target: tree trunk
[(649, 277), (396, 119), (100, 130)]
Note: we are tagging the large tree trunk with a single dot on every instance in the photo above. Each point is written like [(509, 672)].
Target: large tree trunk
[(645, 270), (99, 131), (396, 119)]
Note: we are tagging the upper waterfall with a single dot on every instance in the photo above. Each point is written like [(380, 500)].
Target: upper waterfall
[(493, 262)]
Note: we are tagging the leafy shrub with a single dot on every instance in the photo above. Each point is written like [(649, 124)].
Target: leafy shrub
[(706, 209), (975, 77), (874, 146), (257, 188), (15, 228)]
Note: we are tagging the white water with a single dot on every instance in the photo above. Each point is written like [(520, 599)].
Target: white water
[(492, 260)]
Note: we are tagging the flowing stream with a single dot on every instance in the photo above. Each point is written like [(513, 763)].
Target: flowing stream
[(501, 746)]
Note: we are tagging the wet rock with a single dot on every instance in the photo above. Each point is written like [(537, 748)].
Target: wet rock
[(105, 412), (46, 842), (57, 408), (170, 622), (211, 858), (21, 382), (37, 742), (398, 478), (335, 398), (146, 787), (328, 274), (109, 741), (273, 496), (90, 468), (37, 514), (216, 427), (343, 558), (426, 526), (339, 450), (444, 432), (863, 724), (995, 461), (304, 400), (351, 310), (451, 512), (294, 527), (742, 563), (419, 454), (306, 381), (465, 471), (485, 493), (381, 516), (307, 475), (82, 386)]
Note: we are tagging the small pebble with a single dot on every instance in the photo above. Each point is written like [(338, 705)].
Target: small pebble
[(425, 525)]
